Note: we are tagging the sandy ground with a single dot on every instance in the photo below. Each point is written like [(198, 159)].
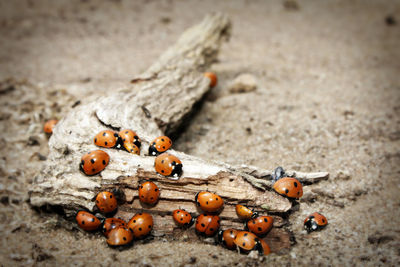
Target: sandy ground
[(328, 99)]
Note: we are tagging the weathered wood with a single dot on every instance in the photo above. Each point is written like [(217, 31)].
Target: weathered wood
[(154, 103)]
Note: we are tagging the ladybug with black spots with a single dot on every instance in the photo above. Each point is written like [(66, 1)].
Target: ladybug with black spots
[(208, 202), (260, 225), (227, 237), (244, 213), (289, 187), (107, 138), (106, 202), (314, 222), (130, 141), (168, 165), (120, 236), (148, 193), (112, 223), (182, 218), (207, 224), (247, 242), (159, 145), (141, 224), (87, 221), (49, 126), (94, 162)]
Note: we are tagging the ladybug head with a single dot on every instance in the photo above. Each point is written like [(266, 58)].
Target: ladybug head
[(152, 150), (259, 247), (220, 236), (177, 169), (310, 225)]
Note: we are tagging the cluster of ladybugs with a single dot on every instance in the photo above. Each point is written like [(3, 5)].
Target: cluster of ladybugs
[(95, 161)]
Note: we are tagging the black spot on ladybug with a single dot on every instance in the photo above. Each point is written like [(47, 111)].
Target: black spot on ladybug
[(186, 215), (110, 196), (92, 161), (104, 162), (231, 232), (162, 161), (259, 228), (206, 202), (254, 222), (156, 189), (265, 220), (124, 238), (149, 226), (95, 140), (104, 134), (211, 229), (286, 191), (140, 229), (181, 219), (298, 193), (295, 184), (134, 221), (162, 139), (127, 132), (151, 198), (323, 220), (93, 170), (177, 211), (115, 135), (141, 187), (92, 219), (162, 171), (244, 244), (105, 142), (202, 224), (163, 147), (83, 222), (245, 234)]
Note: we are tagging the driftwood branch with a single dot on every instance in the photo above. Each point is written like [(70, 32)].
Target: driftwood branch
[(156, 102)]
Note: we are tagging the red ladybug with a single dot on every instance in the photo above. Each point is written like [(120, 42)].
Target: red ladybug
[(265, 247), (168, 165), (49, 125), (182, 218), (106, 138), (244, 213), (314, 222), (112, 223), (209, 202), (207, 224), (227, 237), (148, 192), (87, 221), (213, 78), (260, 225), (131, 148), (141, 224), (247, 242), (129, 136), (106, 202), (94, 162), (159, 145), (290, 187), (120, 236)]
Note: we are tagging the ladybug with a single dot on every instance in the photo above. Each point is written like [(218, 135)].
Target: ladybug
[(227, 237), (106, 139), (208, 202), (94, 162), (290, 187), (49, 125), (247, 241), (112, 223), (213, 78), (120, 236), (265, 247), (168, 165), (244, 213), (260, 225), (207, 224), (182, 218), (148, 192), (315, 221), (141, 224), (159, 145), (87, 221), (130, 141), (106, 202)]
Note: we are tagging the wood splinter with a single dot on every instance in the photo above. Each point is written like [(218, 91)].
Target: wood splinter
[(156, 103)]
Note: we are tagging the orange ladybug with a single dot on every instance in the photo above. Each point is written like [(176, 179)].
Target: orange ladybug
[(112, 223), (315, 221), (148, 192), (247, 241), (106, 139), (213, 78), (94, 162), (130, 141), (141, 224), (87, 221), (49, 125), (120, 236), (244, 213), (290, 187), (209, 202), (182, 218), (265, 247), (159, 145), (106, 202), (168, 165), (207, 224), (227, 237), (260, 225)]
